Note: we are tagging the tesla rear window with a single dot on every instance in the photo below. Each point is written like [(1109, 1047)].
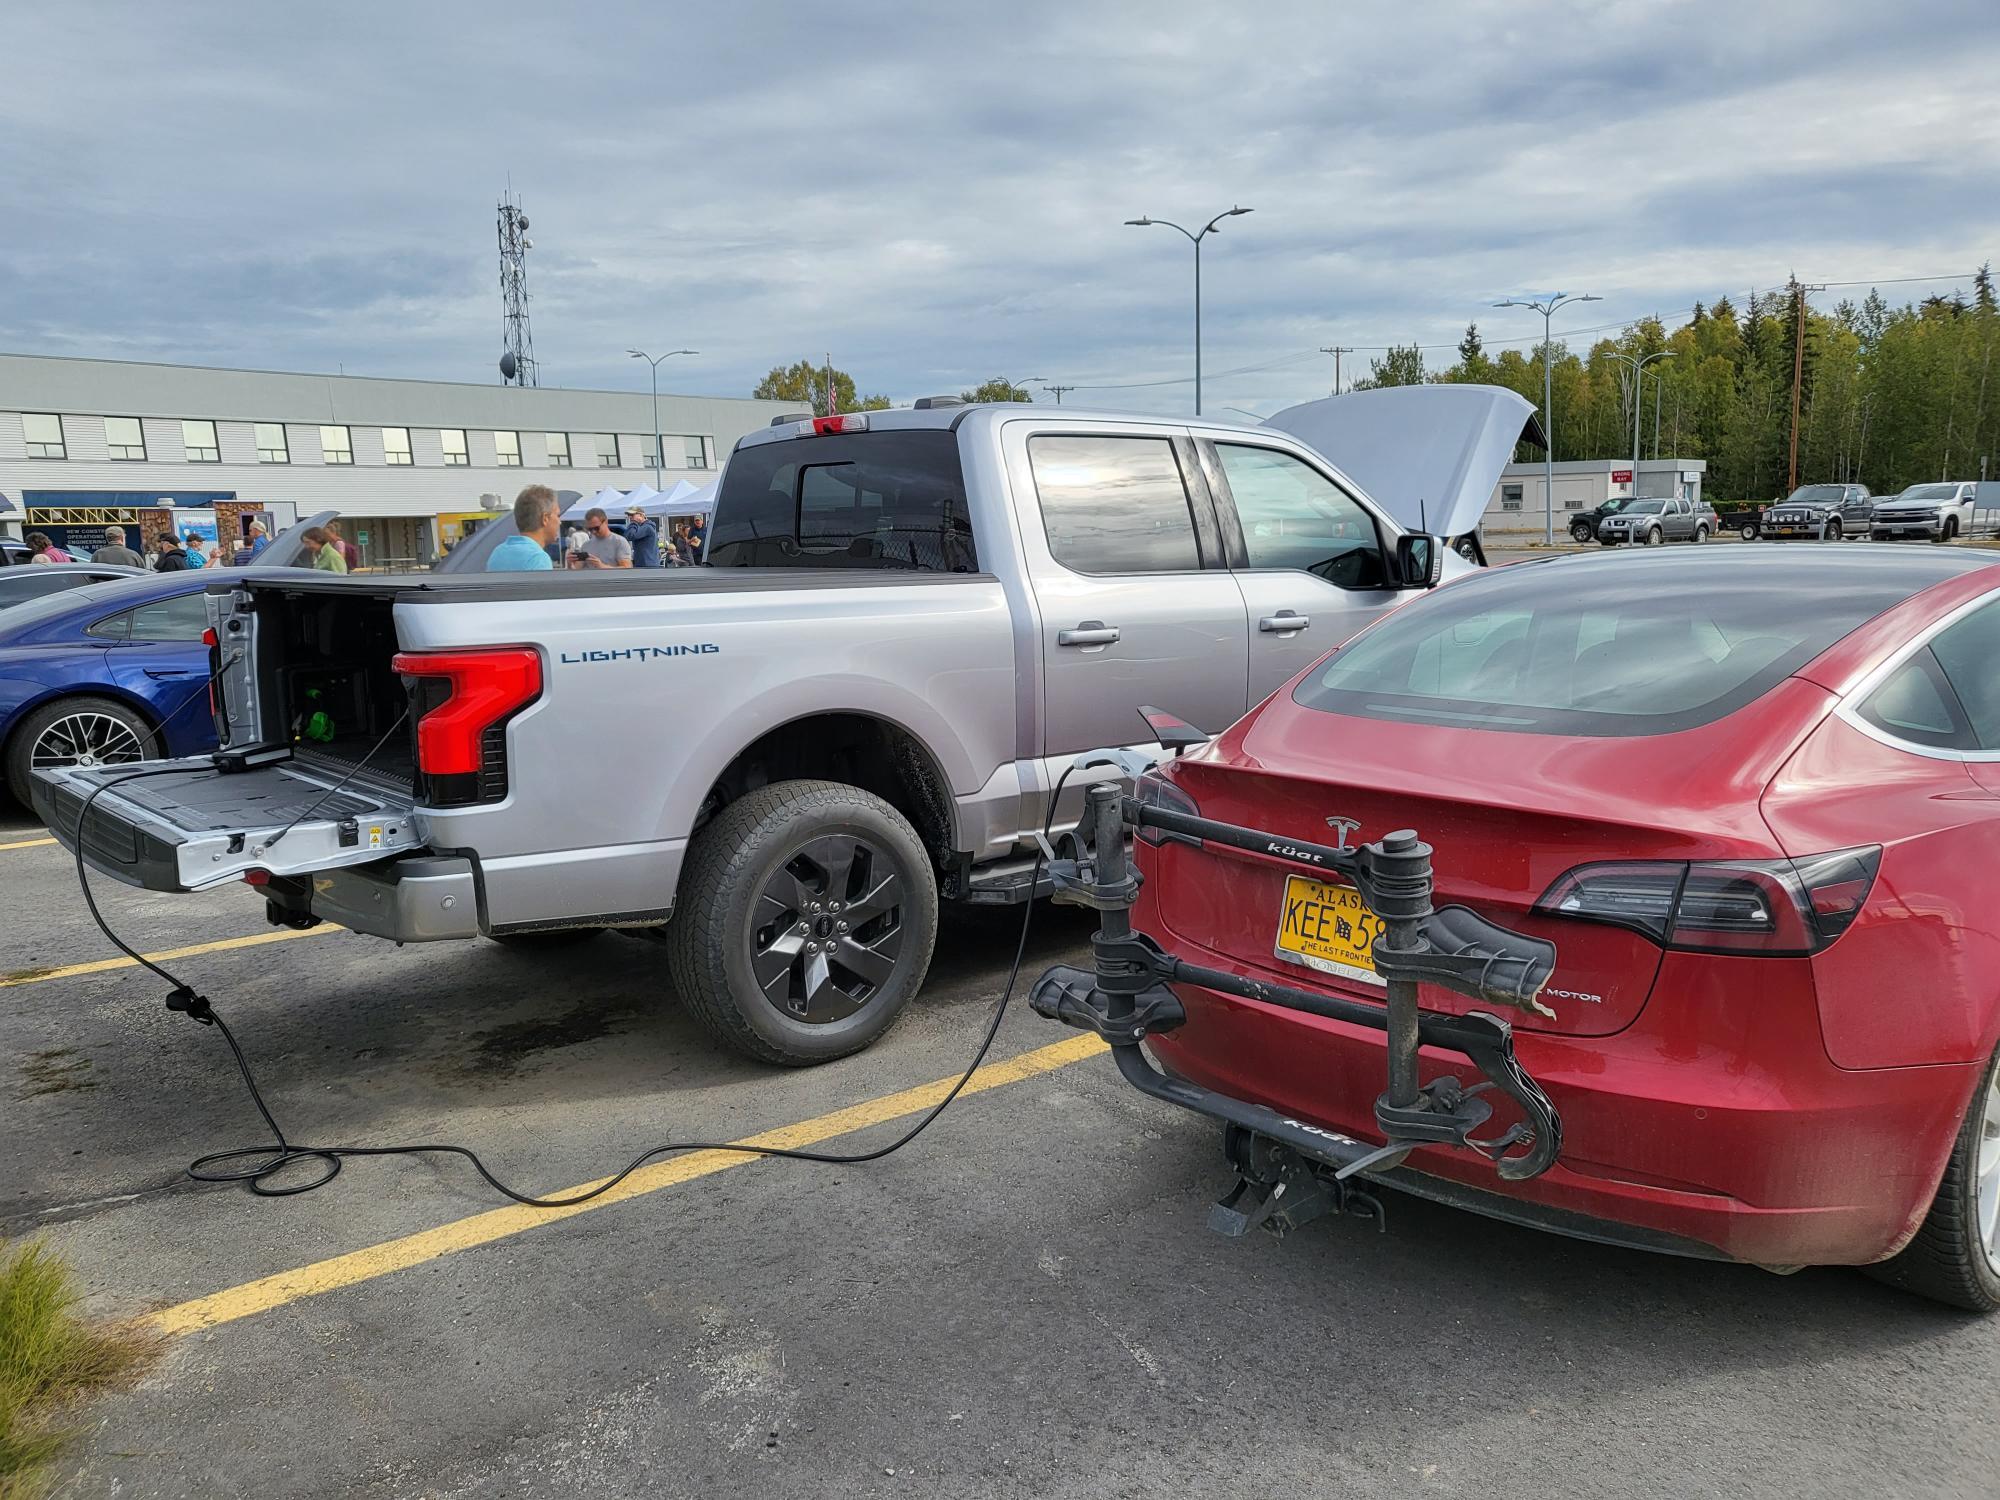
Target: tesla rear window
[(1541, 649)]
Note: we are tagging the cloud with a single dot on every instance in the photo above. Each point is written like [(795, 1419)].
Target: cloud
[(936, 196)]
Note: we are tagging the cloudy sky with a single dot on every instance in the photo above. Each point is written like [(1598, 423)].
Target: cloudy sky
[(937, 194)]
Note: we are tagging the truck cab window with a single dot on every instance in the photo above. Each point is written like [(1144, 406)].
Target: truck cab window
[(861, 500), (1114, 505), (1295, 517)]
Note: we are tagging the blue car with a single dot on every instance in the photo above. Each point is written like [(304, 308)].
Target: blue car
[(104, 674), (113, 672)]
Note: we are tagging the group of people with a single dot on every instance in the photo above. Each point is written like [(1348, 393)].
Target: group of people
[(172, 553), (537, 541)]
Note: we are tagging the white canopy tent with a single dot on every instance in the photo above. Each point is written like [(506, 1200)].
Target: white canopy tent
[(683, 499), (611, 502)]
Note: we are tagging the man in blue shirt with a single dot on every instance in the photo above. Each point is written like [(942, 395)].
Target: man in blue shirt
[(254, 543), (644, 537), (537, 523)]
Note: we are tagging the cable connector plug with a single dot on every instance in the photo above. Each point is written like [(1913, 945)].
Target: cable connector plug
[(196, 1006)]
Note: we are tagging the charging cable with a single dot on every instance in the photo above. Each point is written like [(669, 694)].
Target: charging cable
[(257, 1166)]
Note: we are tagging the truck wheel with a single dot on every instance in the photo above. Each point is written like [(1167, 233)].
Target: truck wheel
[(1955, 1257), (1949, 530), (1748, 531), (1701, 533), (1833, 530), (75, 732), (1579, 532), (808, 924), (1653, 537)]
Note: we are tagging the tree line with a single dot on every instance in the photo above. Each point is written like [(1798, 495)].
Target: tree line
[(1888, 396)]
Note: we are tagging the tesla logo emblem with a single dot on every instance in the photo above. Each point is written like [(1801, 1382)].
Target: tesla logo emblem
[(1342, 827)]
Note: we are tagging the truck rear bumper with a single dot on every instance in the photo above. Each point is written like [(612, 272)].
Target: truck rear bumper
[(420, 899)]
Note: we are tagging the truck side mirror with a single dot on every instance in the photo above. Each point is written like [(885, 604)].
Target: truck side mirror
[(1419, 561)]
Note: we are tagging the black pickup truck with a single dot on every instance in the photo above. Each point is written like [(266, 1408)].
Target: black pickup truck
[(1744, 517)]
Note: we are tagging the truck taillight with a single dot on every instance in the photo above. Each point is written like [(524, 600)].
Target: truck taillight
[(1765, 907), (461, 701), (850, 422)]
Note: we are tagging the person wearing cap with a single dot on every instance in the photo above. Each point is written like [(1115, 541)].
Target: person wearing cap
[(644, 536), (601, 546)]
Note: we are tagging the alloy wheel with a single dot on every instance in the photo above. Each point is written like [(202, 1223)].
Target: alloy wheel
[(827, 930), (87, 739), (1986, 1192)]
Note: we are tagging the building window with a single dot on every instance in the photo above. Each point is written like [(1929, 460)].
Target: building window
[(335, 446), (272, 447), (697, 452), (125, 438), (1510, 496), (1572, 505), (199, 441), (607, 451), (45, 435), (455, 454), (507, 449), (396, 446), (558, 450)]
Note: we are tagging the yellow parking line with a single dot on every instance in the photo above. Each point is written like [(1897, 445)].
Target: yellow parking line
[(104, 965), (28, 844), (483, 1229)]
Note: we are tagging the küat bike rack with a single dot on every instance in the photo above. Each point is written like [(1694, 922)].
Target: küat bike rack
[(1292, 1171)]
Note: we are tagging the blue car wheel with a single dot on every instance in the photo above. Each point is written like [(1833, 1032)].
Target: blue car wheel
[(75, 732)]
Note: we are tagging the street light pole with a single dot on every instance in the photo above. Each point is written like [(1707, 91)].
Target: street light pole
[(658, 457), (1547, 306), (1213, 226), (1639, 401)]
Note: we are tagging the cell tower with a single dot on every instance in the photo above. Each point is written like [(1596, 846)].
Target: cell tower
[(517, 363)]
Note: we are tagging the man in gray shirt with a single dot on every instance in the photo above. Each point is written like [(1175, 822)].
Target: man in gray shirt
[(115, 551), (602, 547)]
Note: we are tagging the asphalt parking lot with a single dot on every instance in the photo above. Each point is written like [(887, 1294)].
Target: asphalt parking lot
[(1026, 1301)]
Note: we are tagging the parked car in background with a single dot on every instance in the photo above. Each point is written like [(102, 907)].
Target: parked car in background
[(13, 550), (1937, 512), (1584, 524), (19, 585), (1832, 511), (1650, 522), (1744, 519), (1777, 991)]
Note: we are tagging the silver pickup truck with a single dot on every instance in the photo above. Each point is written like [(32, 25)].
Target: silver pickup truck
[(779, 763)]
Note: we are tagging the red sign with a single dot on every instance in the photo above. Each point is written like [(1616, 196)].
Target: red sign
[(1621, 476)]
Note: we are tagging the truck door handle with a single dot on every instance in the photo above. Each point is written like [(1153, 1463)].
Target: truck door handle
[(1284, 622), (1089, 633)]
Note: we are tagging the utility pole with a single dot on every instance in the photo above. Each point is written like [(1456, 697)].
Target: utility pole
[(1057, 391), (1336, 350), (1798, 371)]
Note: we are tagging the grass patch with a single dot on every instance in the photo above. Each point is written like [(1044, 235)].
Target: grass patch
[(49, 1359)]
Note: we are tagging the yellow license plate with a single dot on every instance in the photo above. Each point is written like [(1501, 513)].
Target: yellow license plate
[(1327, 927)]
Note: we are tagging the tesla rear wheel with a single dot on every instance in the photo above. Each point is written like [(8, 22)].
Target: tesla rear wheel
[(75, 732), (1955, 1257), (808, 923)]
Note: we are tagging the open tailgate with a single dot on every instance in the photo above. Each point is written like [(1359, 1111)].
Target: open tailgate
[(186, 826)]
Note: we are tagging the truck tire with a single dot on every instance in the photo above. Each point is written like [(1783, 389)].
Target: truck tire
[(1653, 538), (1948, 530), (1955, 1256), (810, 912), (1748, 531), (75, 731), (1701, 533), (1833, 529), (1579, 532)]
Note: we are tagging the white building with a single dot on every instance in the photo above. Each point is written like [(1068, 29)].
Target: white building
[(86, 443), (1520, 499)]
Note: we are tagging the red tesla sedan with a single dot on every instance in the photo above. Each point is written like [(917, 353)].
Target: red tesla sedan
[(1753, 796)]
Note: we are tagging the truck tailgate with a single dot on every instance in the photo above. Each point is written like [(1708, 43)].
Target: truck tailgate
[(186, 826)]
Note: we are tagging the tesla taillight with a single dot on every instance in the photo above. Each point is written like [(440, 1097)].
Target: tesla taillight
[(1770, 908), (1154, 790), (461, 701)]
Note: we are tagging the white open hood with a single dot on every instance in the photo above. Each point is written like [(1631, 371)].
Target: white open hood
[(1429, 455)]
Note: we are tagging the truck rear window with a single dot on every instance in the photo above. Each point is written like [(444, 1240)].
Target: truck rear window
[(847, 500)]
